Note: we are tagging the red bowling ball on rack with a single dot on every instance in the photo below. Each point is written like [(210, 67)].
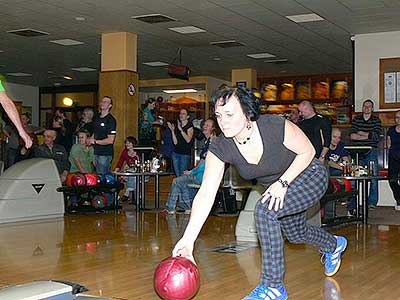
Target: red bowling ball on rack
[(78, 180), (176, 278)]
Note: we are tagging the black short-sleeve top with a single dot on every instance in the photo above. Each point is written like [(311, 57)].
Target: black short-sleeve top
[(275, 160)]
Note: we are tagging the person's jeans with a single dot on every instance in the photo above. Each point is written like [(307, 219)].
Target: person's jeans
[(181, 163), (393, 174), (179, 189), (103, 165), (130, 185), (373, 188)]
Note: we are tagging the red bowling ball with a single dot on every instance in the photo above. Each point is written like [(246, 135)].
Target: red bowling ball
[(336, 185), (78, 180), (91, 179), (347, 184), (176, 278)]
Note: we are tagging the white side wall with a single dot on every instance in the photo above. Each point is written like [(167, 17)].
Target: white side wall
[(369, 48), (29, 95)]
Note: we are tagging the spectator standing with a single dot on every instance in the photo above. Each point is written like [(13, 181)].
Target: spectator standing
[(87, 120), (182, 137), (317, 128), (393, 142), (104, 131), (366, 130), (67, 128), (147, 132)]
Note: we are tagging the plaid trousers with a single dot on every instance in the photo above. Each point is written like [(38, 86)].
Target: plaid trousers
[(303, 192)]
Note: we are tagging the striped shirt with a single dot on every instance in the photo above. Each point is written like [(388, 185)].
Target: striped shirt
[(372, 126)]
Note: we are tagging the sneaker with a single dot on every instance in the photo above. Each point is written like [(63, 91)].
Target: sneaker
[(187, 211), (331, 289), (169, 212), (397, 207), (372, 206), (332, 260), (262, 292)]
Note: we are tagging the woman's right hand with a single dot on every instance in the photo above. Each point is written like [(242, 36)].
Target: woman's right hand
[(184, 248), (171, 126)]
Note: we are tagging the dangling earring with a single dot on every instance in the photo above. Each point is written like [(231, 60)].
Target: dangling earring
[(248, 126)]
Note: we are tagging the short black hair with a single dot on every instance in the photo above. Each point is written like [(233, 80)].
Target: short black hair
[(131, 139), (85, 131), (248, 101), (150, 100)]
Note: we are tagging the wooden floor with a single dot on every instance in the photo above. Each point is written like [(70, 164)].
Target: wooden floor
[(115, 255)]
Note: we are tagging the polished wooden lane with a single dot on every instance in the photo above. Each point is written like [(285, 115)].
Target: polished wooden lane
[(115, 255)]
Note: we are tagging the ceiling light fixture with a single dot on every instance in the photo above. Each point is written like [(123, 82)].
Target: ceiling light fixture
[(155, 64), (260, 55), (83, 69), (305, 18), (67, 42), (80, 18), (19, 74), (67, 77), (180, 91), (187, 29)]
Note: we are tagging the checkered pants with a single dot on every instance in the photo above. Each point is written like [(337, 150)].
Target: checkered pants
[(303, 192)]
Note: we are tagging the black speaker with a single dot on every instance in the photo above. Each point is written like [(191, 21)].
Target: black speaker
[(179, 71)]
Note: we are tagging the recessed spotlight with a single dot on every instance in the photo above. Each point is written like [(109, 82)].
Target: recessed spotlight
[(67, 42), (187, 29), (305, 18), (283, 71), (80, 18), (217, 58), (1, 51), (67, 77), (155, 64), (57, 84), (67, 101), (260, 55)]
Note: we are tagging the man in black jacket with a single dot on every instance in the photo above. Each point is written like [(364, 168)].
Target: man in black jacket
[(317, 128)]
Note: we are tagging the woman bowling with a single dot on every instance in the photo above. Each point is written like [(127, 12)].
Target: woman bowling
[(278, 154)]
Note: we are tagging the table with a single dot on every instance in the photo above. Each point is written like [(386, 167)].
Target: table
[(362, 183), (141, 187)]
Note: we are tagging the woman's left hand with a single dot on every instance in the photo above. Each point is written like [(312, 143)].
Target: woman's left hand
[(276, 195)]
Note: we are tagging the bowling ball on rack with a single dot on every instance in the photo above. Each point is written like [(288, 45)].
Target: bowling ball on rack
[(176, 278), (99, 201), (335, 184), (341, 184), (347, 184), (78, 180), (68, 180), (109, 179), (91, 179)]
